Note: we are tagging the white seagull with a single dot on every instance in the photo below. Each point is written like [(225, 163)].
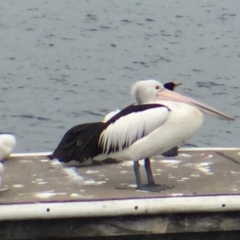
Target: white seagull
[(162, 120), (7, 144)]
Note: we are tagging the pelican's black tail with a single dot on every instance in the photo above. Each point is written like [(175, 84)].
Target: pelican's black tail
[(76, 140)]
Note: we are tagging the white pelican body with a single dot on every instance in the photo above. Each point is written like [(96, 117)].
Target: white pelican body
[(110, 115), (7, 144), (164, 128)]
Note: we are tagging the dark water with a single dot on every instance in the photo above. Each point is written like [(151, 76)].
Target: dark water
[(69, 62)]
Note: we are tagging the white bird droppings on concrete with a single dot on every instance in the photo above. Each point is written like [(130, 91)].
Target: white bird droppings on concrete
[(176, 194), (44, 160), (41, 183), (91, 171), (75, 195), (195, 175), (203, 166), (18, 185), (185, 155), (235, 172), (71, 172), (55, 162), (170, 161), (47, 194), (93, 182), (25, 161)]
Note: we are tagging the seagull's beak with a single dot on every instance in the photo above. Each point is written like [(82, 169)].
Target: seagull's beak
[(165, 94)]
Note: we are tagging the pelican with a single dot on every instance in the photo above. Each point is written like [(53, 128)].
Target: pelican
[(161, 120), (68, 148)]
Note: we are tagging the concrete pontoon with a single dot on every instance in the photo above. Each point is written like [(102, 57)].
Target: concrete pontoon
[(47, 199)]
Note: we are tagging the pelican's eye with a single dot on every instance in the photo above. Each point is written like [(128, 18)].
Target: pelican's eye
[(157, 87)]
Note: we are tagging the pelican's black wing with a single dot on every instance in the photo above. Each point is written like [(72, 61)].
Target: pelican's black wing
[(75, 140)]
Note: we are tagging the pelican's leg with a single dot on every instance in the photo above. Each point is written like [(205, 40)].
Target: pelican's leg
[(151, 186), (148, 169), (136, 166)]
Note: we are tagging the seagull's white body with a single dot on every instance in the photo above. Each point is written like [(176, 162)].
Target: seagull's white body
[(1, 172), (7, 144), (163, 127)]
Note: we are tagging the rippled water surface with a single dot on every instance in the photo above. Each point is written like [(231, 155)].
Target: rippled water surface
[(70, 62)]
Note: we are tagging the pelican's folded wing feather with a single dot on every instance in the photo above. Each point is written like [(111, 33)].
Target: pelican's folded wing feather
[(130, 125)]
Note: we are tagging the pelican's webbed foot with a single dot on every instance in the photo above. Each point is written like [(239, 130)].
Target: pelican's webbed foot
[(150, 187)]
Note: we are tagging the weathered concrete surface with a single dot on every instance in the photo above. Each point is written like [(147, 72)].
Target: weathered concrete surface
[(192, 173), (34, 179)]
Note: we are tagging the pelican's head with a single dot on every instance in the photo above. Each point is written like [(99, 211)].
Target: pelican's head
[(146, 90)]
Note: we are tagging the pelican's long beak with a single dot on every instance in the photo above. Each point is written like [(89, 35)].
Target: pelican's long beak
[(173, 96), (178, 84)]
